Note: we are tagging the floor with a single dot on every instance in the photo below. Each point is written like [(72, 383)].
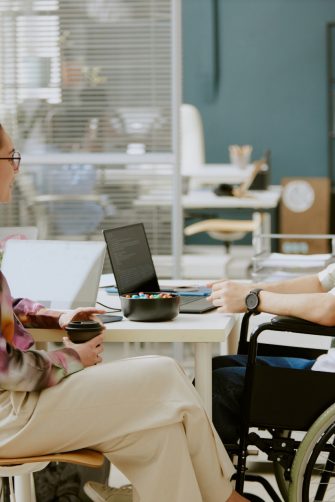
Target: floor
[(237, 266)]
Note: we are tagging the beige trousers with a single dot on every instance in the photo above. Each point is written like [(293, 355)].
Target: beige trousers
[(144, 414)]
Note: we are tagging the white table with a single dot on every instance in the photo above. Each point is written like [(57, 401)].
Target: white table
[(254, 199), (200, 329), (260, 201), (217, 173), (206, 198)]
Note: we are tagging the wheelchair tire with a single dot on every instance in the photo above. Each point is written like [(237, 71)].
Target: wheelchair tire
[(312, 460)]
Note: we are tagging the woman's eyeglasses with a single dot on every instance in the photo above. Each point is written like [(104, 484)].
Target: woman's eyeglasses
[(15, 160)]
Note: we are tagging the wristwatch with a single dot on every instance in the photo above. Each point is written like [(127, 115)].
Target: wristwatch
[(252, 301)]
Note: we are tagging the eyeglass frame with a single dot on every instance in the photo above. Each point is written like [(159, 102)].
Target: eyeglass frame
[(15, 160)]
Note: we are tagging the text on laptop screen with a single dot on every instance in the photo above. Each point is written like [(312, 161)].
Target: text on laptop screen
[(131, 259)]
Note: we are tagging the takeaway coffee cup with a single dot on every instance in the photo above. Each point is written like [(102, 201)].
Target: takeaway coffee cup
[(82, 331)]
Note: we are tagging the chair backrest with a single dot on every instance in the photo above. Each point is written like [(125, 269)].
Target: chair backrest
[(192, 143), (79, 216)]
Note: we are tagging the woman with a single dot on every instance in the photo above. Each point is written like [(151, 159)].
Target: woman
[(142, 413)]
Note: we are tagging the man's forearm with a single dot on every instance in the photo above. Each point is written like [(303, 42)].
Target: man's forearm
[(304, 284), (315, 307), (301, 297)]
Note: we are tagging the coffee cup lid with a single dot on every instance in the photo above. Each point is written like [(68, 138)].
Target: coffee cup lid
[(83, 326)]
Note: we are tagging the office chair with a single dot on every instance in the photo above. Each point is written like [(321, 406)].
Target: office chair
[(224, 230), (192, 142), (64, 201), (22, 470)]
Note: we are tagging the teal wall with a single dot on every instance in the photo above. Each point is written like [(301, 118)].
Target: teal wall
[(272, 91)]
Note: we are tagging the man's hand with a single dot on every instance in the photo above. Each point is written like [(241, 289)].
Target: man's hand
[(89, 352), (229, 296), (80, 314)]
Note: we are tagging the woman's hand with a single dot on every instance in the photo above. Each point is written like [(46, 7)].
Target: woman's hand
[(229, 296), (79, 314), (89, 352)]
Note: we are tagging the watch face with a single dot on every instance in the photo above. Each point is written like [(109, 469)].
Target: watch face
[(298, 196), (252, 301)]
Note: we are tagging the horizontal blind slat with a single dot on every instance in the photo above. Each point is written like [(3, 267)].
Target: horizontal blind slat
[(87, 85)]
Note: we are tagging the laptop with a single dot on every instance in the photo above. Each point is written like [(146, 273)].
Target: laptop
[(58, 274), (134, 270)]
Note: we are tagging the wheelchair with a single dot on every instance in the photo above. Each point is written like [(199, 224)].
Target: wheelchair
[(283, 400)]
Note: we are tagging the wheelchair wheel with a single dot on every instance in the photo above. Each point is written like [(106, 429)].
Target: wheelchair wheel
[(313, 469)]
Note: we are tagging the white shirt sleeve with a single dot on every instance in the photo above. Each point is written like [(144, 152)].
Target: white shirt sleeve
[(327, 278), (326, 362)]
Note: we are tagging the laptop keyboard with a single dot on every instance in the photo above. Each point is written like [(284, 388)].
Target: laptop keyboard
[(184, 300)]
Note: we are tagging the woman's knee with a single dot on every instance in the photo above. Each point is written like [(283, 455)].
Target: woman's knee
[(160, 367)]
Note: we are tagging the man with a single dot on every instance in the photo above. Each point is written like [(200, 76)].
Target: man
[(310, 297)]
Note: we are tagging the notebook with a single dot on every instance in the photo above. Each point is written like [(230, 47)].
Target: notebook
[(134, 270), (58, 274)]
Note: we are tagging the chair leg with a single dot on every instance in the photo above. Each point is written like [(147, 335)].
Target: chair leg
[(227, 247), (5, 490), (23, 488)]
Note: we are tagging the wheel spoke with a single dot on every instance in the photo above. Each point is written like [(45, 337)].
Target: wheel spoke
[(320, 470)]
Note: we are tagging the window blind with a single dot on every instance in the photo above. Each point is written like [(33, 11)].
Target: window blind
[(88, 91)]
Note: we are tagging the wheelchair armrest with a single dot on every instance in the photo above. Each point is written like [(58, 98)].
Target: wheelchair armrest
[(297, 325), (288, 324), (281, 323)]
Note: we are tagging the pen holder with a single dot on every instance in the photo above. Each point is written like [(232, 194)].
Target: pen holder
[(240, 155)]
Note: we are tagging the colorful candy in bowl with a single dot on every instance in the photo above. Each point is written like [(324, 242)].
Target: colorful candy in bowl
[(150, 306)]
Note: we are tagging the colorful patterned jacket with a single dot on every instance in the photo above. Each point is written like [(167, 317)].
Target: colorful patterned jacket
[(21, 368)]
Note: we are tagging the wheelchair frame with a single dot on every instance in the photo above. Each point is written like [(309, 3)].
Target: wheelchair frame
[(287, 393)]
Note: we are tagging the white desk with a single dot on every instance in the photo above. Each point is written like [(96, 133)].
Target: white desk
[(260, 201), (204, 178), (200, 329), (217, 173), (254, 199), (205, 198)]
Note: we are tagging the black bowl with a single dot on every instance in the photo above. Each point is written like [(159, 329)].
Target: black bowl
[(150, 309)]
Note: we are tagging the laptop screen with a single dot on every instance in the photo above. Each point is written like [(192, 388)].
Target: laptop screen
[(59, 274), (131, 259)]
